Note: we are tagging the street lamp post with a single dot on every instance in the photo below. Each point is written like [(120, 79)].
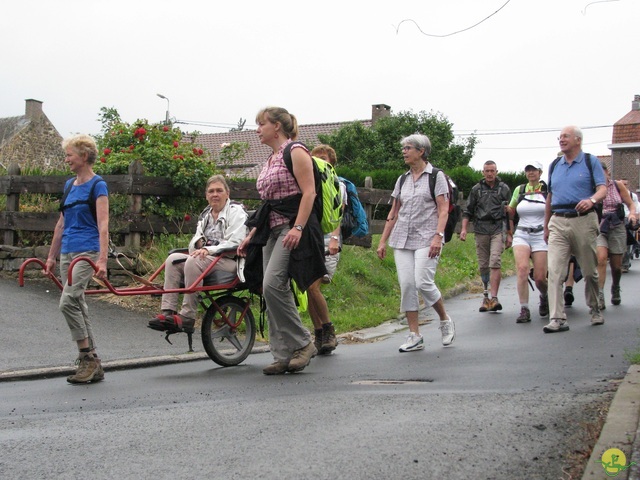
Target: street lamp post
[(166, 121)]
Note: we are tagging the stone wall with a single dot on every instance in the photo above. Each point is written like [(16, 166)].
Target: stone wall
[(11, 258)]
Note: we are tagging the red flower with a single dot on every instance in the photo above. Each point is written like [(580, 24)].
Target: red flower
[(195, 151), (200, 152), (131, 147), (140, 132), (165, 129), (176, 144), (103, 160), (107, 151), (175, 157), (187, 218)]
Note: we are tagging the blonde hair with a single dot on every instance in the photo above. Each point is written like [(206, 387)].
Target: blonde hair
[(287, 121), (327, 151), (83, 145)]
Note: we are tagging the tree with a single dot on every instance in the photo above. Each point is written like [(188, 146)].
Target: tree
[(378, 147)]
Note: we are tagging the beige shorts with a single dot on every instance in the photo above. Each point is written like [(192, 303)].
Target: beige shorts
[(615, 240), (489, 250)]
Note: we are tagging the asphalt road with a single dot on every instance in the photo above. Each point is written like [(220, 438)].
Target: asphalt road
[(505, 401)]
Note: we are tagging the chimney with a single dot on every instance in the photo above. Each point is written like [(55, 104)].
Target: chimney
[(379, 111), (33, 110), (635, 105)]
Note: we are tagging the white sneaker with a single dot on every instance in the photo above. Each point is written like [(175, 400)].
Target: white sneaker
[(556, 325), (448, 329), (414, 342)]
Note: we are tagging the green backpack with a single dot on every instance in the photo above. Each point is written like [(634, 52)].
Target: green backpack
[(328, 202)]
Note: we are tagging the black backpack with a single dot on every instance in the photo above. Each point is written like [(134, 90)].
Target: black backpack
[(454, 208)]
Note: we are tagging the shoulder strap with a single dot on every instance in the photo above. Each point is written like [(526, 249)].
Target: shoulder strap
[(587, 157), (432, 181), (551, 167), (615, 182), (403, 177), (286, 156)]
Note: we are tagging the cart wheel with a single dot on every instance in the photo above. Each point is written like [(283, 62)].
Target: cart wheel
[(230, 343)]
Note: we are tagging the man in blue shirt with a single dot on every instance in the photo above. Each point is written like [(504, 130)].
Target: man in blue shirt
[(571, 224)]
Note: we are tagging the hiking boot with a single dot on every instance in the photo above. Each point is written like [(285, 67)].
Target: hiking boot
[(329, 341), (448, 330), (525, 315), (302, 357), (317, 339), (596, 317), (413, 343), (276, 368), (87, 370), (601, 305), (615, 295), (495, 305), (543, 309), (556, 325), (485, 305), (568, 297), (99, 376)]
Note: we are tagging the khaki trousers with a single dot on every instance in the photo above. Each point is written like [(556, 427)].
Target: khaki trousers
[(286, 332), (572, 236)]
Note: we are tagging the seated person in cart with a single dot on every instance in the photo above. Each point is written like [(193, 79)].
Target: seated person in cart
[(221, 227)]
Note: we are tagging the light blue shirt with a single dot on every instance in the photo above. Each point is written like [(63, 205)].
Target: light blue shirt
[(571, 183)]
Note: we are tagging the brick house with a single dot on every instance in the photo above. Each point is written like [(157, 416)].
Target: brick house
[(625, 147), (257, 154), (30, 140)]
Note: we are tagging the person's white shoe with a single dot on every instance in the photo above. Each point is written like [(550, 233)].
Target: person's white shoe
[(414, 342), (448, 329)]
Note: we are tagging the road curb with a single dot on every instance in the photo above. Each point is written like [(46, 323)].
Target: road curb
[(59, 371), (620, 430)]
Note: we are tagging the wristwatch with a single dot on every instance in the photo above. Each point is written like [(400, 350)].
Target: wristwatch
[(593, 200), (335, 237), (298, 227), (441, 234)]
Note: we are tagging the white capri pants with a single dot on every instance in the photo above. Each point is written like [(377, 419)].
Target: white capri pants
[(416, 274)]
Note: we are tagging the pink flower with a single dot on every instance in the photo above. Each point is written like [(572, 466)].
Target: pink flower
[(165, 129)]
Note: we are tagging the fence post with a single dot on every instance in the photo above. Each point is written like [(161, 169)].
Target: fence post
[(132, 240), (368, 183), (13, 205)]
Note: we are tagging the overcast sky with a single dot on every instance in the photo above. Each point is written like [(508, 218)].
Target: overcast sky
[(533, 65)]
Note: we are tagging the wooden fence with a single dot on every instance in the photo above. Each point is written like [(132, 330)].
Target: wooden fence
[(136, 186)]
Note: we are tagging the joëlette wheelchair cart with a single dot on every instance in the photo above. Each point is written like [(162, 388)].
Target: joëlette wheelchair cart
[(228, 325)]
